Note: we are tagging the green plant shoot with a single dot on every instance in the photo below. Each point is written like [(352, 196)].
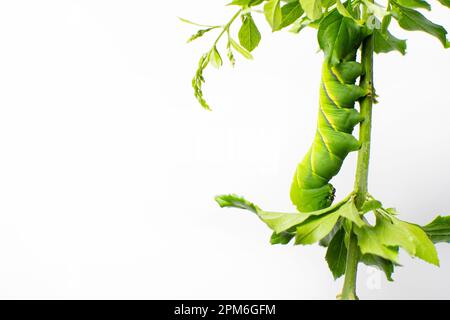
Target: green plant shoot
[(345, 31)]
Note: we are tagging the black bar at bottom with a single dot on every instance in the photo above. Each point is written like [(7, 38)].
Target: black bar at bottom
[(219, 309)]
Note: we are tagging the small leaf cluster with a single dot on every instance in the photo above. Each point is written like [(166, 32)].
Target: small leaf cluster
[(248, 37), (331, 227), (299, 14)]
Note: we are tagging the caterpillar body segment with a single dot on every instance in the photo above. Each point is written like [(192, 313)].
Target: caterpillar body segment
[(317, 198), (337, 118)]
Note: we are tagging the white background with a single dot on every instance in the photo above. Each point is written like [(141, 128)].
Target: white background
[(108, 166)]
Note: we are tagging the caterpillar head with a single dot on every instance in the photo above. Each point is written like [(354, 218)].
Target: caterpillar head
[(315, 199)]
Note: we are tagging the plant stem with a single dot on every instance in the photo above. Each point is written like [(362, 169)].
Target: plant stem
[(362, 168), (351, 270), (226, 27)]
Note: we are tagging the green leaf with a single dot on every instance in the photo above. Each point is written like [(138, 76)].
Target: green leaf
[(349, 32), (311, 226), (249, 35), (385, 23), (390, 232), (337, 254), (343, 10), (315, 228), (370, 243), (281, 238), (371, 205), (290, 13), (312, 8), (445, 3), (215, 58), (375, 9), (328, 3), (415, 4), (239, 3), (241, 49), (235, 201), (300, 24), (276, 221), (384, 43), (413, 20), (272, 11), (279, 222), (395, 232), (439, 229), (350, 212), (325, 242), (244, 3), (382, 264)]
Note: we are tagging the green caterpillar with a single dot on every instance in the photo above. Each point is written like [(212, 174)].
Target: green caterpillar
[(340, 39)]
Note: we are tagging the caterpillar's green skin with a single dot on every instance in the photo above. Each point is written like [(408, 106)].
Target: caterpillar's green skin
[(337, 118)]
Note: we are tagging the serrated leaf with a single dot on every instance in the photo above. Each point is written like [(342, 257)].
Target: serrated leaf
[(272, 11), (439, 229), (277, 221), (281, 238), (280, 222), (312, 8), (384, 43), (325, 241), (380, 263), (235, 201), (241, 49), (410, 237), (370, 243), (371, 205), (249, 35), (290, 13), (350, 212), (315, 228), (337, 254), (412, 20), (415, 4)]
